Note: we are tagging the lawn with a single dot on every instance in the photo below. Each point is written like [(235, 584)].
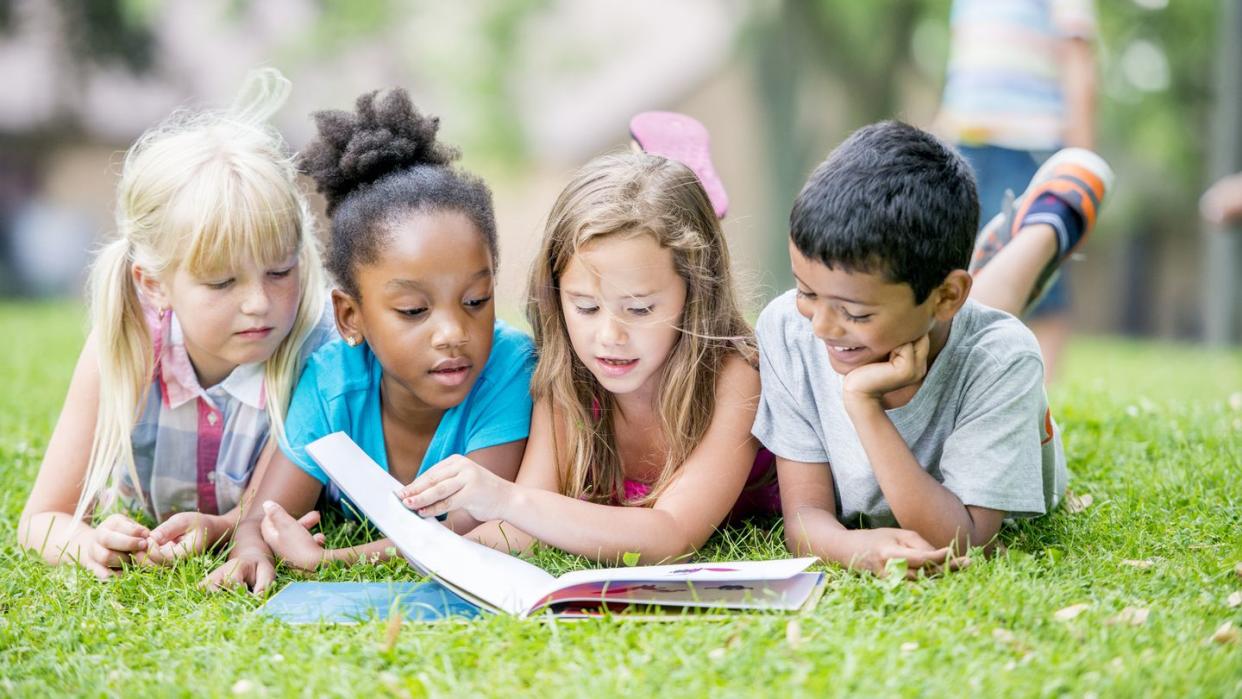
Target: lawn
[(1153, 435)]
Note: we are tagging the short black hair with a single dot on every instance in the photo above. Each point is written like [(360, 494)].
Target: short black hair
[(381, 162), (891, 199)]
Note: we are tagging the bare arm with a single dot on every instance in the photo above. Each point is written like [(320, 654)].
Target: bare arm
[(680, 521), (251, 561), (810, 512), (1078, 85), (504, 460), (919, 502), (47, 525), (812, 527), (538, 471)]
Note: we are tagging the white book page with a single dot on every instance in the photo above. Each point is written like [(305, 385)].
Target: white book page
[(688, 572), (505, 582)]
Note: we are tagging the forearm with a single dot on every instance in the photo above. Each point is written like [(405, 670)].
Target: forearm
[(56, 536), (248, 538), (502, 536), (461, 522), (811, 531), (918, 501), (224, 526), (599, 532), (379, 550)]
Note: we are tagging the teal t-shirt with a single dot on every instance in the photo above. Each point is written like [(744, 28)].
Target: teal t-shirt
[(339, 391)]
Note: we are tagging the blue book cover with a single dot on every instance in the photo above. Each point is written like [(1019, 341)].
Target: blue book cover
[(353, 602)]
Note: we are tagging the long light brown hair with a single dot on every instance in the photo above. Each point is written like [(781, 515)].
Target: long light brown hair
[(634, 194)]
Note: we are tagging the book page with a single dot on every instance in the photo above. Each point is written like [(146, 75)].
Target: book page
[(772, 595), (689, 572), (503, 582)]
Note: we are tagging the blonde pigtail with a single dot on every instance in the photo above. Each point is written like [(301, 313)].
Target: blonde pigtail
[(280, 375), (124, 353)]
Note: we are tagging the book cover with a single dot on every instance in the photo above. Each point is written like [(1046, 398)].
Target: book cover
[(353, 602)]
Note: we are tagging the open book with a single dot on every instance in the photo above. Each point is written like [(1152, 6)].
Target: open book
[(498, 582)]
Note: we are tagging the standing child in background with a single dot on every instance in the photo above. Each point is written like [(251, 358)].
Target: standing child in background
[(203, 309), (424, 370), (1020, 85), (908, 418), (644, 389)]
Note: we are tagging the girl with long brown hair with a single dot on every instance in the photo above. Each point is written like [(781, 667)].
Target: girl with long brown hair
[(645, 388)]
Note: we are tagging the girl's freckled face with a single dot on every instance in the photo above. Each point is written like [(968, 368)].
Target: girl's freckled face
[(622, 301), (236, 317), (426, 304)]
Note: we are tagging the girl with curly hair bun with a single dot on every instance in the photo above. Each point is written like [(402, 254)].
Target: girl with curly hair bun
[(423, 369)]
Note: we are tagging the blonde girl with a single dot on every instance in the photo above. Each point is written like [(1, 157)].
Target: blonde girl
[(644, 389), (202, 310)]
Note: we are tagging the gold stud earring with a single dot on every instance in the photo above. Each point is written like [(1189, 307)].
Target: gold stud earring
[(163, 312), (351, 341)]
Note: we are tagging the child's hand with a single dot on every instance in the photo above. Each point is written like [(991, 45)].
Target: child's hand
[(876, 547), (458, 483), (248, 569), (114, 543), (290, 538), (183, 534), (906, 365)]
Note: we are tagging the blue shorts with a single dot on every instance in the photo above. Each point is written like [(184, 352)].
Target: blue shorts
[(996, 170)]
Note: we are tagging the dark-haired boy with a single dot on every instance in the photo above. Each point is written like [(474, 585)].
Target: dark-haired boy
[(907, 412)]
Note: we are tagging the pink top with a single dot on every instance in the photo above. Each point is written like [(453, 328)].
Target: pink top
[(760, 496)]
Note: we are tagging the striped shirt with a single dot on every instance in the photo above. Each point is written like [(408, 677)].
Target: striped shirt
[(195, 448), (1003, 86)]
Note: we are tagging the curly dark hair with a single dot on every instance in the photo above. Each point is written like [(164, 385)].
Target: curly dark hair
[(380, 164)]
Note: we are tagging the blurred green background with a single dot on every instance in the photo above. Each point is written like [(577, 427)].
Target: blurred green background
[(531, 89)]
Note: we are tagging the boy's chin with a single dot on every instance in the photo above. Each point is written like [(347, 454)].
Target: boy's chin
[(844, 368)]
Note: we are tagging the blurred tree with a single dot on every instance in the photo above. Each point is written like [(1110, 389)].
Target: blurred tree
[(483, 74), (865, 49), (114, 32), (1223, 253)]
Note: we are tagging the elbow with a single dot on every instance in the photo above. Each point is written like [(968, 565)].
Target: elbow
[(27, 537), (797, 537), (793, 542), (23, 529), (668, 543), (958, 541), (670, 550)]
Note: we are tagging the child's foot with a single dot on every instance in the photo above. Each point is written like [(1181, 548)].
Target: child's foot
[(1065, 194), (681, 138)]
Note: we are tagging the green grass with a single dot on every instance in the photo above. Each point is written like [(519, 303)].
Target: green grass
[(1150, 432)]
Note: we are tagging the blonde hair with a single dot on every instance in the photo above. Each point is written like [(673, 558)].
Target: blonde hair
[(634, 194), (201, 192)]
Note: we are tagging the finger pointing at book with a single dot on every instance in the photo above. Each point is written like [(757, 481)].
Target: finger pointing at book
[(457, 483)]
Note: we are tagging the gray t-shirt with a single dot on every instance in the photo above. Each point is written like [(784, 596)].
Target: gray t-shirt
[(979, 424)]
